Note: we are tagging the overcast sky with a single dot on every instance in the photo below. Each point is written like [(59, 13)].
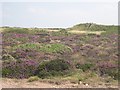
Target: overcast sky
[(58, 14)]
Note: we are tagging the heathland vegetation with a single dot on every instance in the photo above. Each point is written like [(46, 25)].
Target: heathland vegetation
[(83, 53)]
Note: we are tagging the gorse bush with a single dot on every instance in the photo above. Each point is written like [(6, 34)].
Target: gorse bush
[(52, 68)]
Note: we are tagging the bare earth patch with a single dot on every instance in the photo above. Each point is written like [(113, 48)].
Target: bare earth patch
[(23, 83)]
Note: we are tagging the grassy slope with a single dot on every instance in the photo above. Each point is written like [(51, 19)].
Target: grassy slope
[(93, 28)]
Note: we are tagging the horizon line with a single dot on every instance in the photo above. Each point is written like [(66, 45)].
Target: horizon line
[(61, 26)]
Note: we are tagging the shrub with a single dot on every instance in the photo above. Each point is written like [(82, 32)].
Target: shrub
[(113, 72), (6, 72), (16, 30), (33, 78), (7, 57), (81, 79), (108, 68), (61, 33), (57, 65), (19, 69), (43, 74), (84, 67), (52, 68), (19, 53)]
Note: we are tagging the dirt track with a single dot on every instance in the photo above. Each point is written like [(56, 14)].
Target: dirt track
[(13, 83)]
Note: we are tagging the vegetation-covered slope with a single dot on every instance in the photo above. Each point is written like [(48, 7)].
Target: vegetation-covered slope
[(39, 52), (93, 27)]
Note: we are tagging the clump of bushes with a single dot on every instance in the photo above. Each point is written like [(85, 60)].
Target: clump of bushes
[(47, 48), (28, 68), (52, 68), (108, 68), (33, 78), (7, 57), (61, 33), (84, 67), (19, 69), (16, 30)]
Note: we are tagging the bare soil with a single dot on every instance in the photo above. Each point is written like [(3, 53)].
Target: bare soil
[(23, 83)]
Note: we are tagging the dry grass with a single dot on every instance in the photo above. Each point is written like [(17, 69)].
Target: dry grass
[(1, 30), (86, 32), (53, 30)]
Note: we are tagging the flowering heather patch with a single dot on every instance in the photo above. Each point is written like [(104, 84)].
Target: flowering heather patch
[(30, 63), (108, 68), (19, 69), (106, 64), (16, 38), (18, 35), (19, 53)]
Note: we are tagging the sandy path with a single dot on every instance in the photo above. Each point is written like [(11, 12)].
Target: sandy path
[(10, 83), (14, 83)]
